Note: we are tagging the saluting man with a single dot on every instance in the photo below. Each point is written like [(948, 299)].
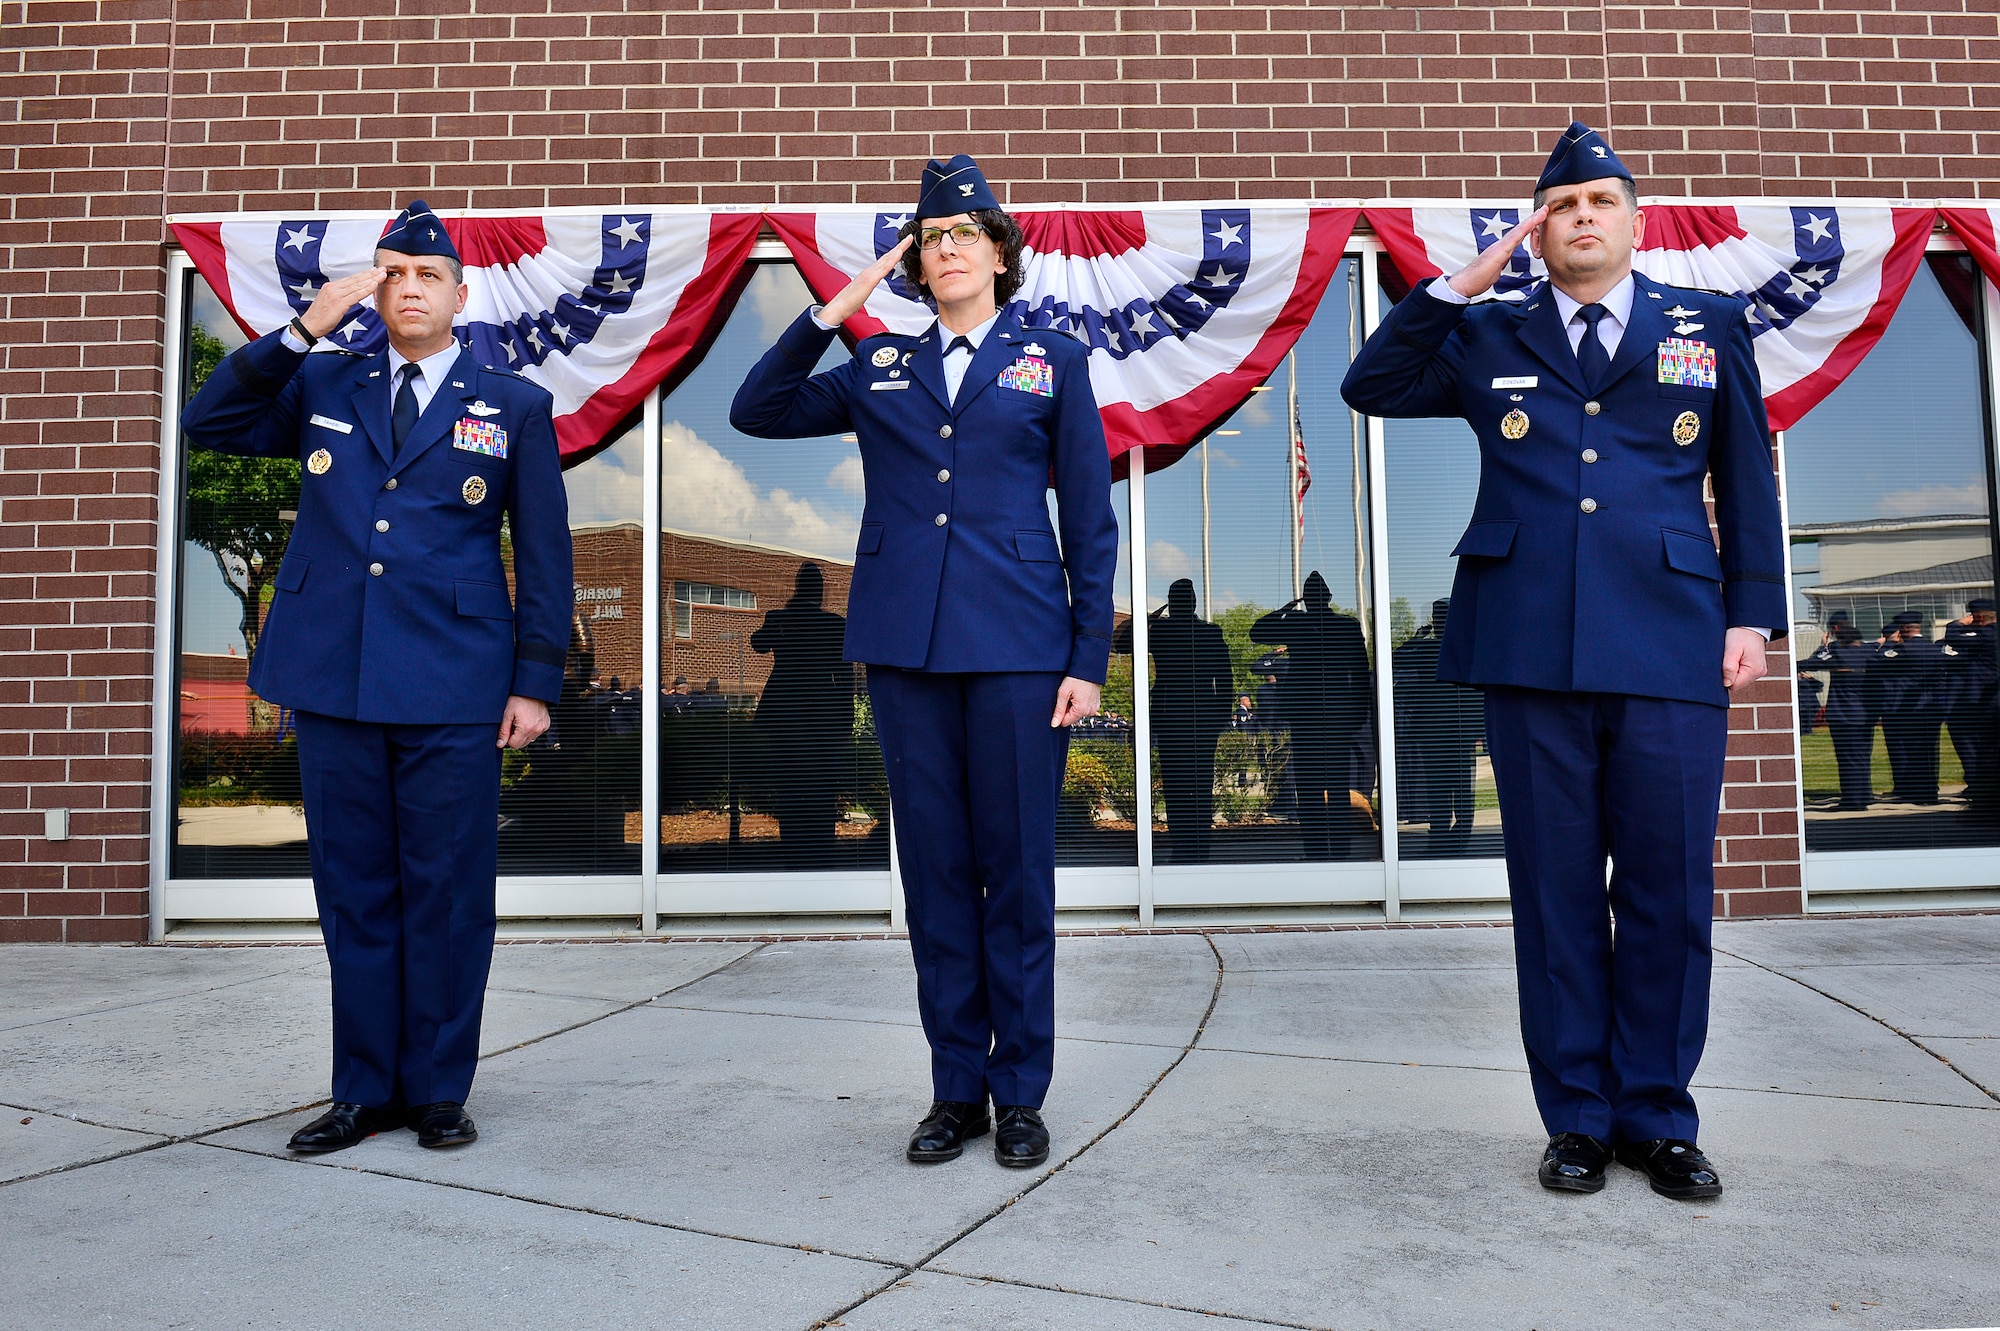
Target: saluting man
[(985, 638), (394, 639), (1601, 400)]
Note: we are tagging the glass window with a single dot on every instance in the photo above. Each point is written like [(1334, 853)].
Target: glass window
[(1263, 700), (1890, 498), (1097, 821)]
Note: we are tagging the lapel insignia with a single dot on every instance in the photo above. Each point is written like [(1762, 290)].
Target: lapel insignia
[(1514, 425), (478, 406), (909, 356), (474, 489), (320, 463), (1687, 428), (883, 357)]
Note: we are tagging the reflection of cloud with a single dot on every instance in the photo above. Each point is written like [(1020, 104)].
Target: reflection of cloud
[(1933, 499), (1166, 561), (847, 476), (703, 491), (777, 293), (611, 486), (1255, 412), (1218, 456)]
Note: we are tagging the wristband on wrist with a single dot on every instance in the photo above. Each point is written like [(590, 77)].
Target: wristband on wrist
[(299, 327)]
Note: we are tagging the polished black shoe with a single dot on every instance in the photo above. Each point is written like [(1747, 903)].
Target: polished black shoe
[(1020, 1140), (341, 1127), (1677, 1168), (1574, 1162), (442, 1124), (946, 1129)]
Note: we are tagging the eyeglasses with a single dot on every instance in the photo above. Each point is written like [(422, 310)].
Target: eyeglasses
[(962, 235)]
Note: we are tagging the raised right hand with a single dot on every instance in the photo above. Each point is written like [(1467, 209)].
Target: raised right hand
[(336, 298), (856, 293), (1477, 278)]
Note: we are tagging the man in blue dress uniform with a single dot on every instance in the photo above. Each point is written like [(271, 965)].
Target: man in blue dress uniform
[(1910, 668), (1972, 709), (985, 638), (1850, 719), (394, 639), (1602, 401)]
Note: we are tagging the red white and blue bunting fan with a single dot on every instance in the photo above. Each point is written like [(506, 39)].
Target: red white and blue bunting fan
[(1185, 308), (1819, 282), (600, 308)]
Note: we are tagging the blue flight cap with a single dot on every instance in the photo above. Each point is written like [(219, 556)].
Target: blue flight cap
[(1980, 603), (953, 187), (417, 230), (1580, 154)]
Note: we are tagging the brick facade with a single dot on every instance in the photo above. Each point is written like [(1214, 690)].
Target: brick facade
[(118, 112)]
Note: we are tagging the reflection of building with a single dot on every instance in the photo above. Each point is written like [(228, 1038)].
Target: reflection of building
[(215, 693), (1874, 570)]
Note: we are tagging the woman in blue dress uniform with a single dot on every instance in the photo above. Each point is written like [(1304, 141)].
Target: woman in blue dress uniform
[(985, 637)]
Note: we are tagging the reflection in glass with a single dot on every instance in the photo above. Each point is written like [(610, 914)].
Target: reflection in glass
[(1892, 559), (1257, 569), (1097, 822)]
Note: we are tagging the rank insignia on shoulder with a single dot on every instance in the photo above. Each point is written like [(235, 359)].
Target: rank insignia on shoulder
[(1687, 428), (883, 358), (1514, 425), (479, 437), (474, 489), (320, 463), (1029, 375), (479, 408), (1687, 363)]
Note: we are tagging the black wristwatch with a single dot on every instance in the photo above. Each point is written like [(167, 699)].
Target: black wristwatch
[(299, 327)]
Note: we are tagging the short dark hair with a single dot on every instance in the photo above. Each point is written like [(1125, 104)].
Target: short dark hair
[(1631, 193), (1006, 233)]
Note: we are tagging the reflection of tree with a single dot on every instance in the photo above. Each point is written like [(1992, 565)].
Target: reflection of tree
[(233, 505)]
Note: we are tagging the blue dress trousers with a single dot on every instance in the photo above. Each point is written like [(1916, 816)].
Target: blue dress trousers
[(1591, 604), (393, 636), (969, 612)]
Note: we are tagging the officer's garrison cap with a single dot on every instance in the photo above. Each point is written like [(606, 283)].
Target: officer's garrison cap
[(953, 187), (1580, 154), (417, 230)]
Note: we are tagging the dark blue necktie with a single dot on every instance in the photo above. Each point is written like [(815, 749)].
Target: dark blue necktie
[(1591, 356), (403, 417)]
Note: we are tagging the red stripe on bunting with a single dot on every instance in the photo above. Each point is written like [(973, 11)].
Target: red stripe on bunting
[(1906, 251), (801, 237), (1974, 226), (1675, 226), (1084, 235), (203, 243), (1396, 228), (495, 242)]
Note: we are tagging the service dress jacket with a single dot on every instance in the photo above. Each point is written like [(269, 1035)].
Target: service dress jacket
[(957, 568), (1588, 563), (391, 604)]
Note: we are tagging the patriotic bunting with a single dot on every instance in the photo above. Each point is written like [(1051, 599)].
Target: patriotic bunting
[(1185, 309), (599, 308), (1819, 281), (1977, 228)]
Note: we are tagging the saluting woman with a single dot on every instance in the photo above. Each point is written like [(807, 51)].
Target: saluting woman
[(985, 638)]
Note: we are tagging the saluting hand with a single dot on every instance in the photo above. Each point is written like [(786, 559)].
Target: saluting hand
[(336, 298), (856, 293), (1477, 278)]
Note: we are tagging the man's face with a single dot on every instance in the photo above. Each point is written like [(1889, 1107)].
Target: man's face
[(1909, 631), (1590, 232), (417, 298), (1983, 616), (956, 272)]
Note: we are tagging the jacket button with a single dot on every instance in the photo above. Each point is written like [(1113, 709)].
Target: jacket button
[(1591, 408), (389, 484), (1588, 506), (944, 432), (374, 570), (381, 524), (1590, 455), (944, 476), (940, 519)]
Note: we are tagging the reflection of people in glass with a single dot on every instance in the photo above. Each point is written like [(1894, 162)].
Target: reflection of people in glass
[(1972, 704), (1907, 674), (1328, 703), (1443, 722), (805, 717), (1850, 717), (1191, 708)]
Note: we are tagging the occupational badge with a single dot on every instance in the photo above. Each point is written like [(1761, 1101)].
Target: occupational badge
[(1035, 349), (474, 489), (883, 358), (479, 407), (1514, 424), (1687, 428), (320, 463)]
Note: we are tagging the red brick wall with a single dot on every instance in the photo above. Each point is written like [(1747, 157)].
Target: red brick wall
[(117, 112)]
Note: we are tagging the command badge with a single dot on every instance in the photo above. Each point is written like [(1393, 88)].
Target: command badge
[(320, 463), (1687, 428), (474, 489), (1514, 424), (883, 358)]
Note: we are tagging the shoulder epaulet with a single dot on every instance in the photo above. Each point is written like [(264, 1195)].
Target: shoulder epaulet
[(511, 374), (1060, 331), (341, 351)]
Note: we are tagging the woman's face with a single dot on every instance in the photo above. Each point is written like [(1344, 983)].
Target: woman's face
[(955, 272)]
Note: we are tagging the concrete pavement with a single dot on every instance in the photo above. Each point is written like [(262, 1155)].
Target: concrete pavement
[(1303, 1129)]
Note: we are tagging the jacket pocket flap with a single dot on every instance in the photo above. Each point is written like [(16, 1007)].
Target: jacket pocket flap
[(870, 540), (1692, 554), (1489, 540), (1038, 547), (483, 600), (292, 573)]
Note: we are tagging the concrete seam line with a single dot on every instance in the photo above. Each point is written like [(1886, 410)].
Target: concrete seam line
[(148, 1002), (616, 1011), (1252, 1318), (1885, 1024)]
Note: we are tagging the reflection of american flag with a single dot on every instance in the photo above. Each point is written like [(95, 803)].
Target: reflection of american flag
[(1301, 470)]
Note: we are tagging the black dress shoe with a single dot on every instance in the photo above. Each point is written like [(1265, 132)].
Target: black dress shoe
[(946, 1129), (1677, 1168), (442, 1124), (1574, 1162), (339, 1128), (1020, 1140)]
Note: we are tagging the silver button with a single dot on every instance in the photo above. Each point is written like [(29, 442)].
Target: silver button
[(374, 570), (943, 476), (944, 432), (389, 484), (1588, 506), (381, 524), (1591, 408), (940, 519), (1590, 455)]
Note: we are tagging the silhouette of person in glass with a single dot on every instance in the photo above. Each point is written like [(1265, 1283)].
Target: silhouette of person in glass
[(805, 717), (1443, 722), (1850, 710), (1192, 700), (1328, 704)]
